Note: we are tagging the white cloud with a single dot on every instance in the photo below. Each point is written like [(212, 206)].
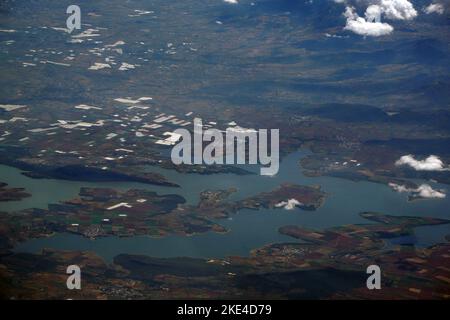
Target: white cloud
[(391, 9), (289, 205), (231, 1), (363, 27), (423, 191), (398, 187), (426, 191), (432, 163), (373, 13), (398, 9), (371, 25), (434, 8)]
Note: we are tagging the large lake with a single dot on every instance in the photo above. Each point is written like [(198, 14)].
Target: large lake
[(248, 229)]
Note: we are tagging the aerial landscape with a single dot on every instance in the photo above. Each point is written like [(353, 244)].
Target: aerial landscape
[(354, 93)]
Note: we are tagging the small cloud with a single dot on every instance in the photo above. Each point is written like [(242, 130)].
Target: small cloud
[(363, 27), (371, 24), (289, 205), (426, 191), (398, 9), (231, 1), (423, 191), (390, 9), (432, 163), (434, 8), (399, 188)]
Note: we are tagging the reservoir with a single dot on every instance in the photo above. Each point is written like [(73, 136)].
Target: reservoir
[(249, 229)]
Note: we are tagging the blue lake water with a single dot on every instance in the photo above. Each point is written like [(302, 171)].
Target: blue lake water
[(249, 229)]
